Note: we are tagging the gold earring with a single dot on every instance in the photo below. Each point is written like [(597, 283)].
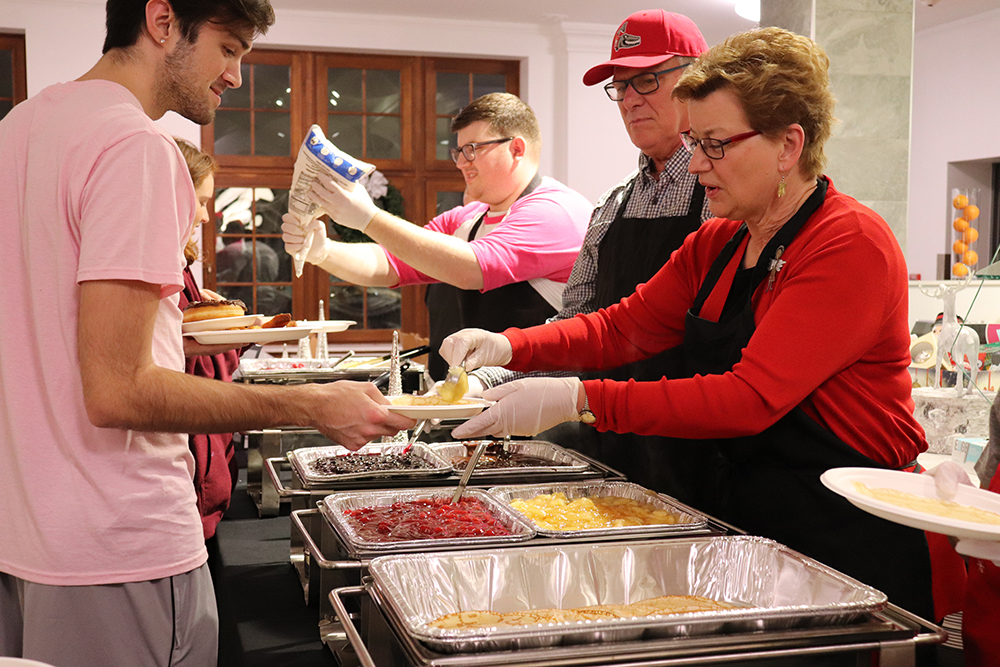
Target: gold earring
[(781, 186)]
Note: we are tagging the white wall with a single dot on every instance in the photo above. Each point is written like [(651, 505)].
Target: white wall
[(956, 117)]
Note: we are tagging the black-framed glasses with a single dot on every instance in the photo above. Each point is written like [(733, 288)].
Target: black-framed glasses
[(644, 84), (469, 150), (713, 148)]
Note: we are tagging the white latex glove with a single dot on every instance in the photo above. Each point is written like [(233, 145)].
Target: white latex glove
[(352, 208), (983, 549), (311, 237), (476, 347), (525, 407), (947, 476)]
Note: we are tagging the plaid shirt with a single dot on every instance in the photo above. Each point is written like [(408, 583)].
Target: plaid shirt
[(654, 196)]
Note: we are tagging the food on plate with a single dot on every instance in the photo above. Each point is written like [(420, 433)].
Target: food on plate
[(434, 518), (936, 506), (455, 386), (409, 399), (355, 463), (554, 511), (667, 604), (278, 321), (494, 457), (196, 311)]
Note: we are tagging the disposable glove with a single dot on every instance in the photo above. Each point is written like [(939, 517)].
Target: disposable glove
[(310, 239), (947, 476), (525, 407), (983, 549), (352, 208), (476, 347)]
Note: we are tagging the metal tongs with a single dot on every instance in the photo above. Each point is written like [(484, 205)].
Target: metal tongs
[(413, 438), (473, 460)]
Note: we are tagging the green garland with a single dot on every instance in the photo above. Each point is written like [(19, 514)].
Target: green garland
[(392, 202)]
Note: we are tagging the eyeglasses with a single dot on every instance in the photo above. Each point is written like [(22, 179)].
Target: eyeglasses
[(469, 150), (644, 84), (713, 148)]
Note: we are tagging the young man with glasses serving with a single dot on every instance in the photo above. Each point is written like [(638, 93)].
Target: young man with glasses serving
[(638, 223), (500, 260)]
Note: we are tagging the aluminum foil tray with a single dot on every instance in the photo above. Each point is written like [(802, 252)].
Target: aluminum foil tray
[(774, 588), (334, 505), (302, 460), (266, 368), (687, 521), (562, 460)]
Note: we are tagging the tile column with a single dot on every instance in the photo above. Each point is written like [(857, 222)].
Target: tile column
[(870, 45)]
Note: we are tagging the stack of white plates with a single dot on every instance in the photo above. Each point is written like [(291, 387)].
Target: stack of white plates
[(949, 654)]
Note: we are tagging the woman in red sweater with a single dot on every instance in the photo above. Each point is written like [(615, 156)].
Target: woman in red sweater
[(773, 390)]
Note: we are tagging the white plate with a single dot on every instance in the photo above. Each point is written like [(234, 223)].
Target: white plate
[(248, 336), (222, 323), (327, 326), (459, 411), (841, 480)]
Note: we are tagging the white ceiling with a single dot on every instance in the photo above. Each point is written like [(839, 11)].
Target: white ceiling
[(716, 18)]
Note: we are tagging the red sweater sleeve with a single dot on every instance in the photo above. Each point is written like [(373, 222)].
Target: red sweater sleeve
[(832, 337)]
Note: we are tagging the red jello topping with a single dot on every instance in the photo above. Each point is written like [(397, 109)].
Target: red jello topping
[(436, 518)]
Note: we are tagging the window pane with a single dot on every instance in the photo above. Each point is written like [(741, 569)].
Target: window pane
[(6, 74), (384, 308), (448, 200), (232, 132), (274, 299), (271, 205), (488, 83), (344, 89), (233, 212), (271, 87), (444, 139), (272, 133), (284, 274), (5, 107), (452, 93), (382, 91), (345, 132), (384, 138), (234, 263), (239, 98), (347, 302)]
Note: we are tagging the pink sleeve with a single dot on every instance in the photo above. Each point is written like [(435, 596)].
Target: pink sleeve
[(446, 223), (136, 228), (539, 238)]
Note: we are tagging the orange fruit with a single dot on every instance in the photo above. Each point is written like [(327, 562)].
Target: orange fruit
[(959, 270), (970, 212), (960, 201), (970, 257), (970, 235), (960, 224), (959, 247)]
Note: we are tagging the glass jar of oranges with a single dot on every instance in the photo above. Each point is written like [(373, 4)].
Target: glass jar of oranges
[(965, 223)]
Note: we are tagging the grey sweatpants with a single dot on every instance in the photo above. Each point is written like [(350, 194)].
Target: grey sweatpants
[(169, 622)]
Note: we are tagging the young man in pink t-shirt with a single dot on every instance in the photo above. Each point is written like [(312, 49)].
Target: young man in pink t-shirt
[(102, 557)]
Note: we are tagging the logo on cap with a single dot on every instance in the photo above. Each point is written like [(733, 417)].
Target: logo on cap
[(623, 40)]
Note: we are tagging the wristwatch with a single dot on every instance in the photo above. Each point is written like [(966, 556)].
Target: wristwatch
[(586, 416)]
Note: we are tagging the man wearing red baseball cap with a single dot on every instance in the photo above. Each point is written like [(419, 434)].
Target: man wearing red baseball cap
[(636, 226)]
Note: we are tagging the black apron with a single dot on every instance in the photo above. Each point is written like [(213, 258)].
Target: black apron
[(452, 309), (768, 484), (631, 252)]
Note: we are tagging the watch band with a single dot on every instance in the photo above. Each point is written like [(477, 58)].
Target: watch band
[(586, 416)]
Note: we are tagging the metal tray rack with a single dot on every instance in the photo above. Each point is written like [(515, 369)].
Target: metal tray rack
[(376, 638), (324, 560)]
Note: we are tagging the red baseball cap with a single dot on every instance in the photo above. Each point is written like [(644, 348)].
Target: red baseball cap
[(649, 38)]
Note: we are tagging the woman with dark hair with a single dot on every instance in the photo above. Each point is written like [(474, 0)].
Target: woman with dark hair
[(769, 394)]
